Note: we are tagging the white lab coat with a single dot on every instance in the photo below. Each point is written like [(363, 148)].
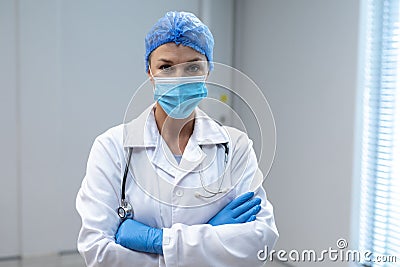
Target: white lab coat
[(166, 195)]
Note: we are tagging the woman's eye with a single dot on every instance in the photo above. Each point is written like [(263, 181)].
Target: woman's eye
[(193, 68), (165, 68)]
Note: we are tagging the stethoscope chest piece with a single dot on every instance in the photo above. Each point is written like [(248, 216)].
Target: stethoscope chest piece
[(125, 211)]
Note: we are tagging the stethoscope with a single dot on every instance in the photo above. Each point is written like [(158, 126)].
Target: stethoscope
[(125, 210)]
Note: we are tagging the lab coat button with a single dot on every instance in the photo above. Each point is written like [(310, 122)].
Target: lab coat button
[(179, 193)]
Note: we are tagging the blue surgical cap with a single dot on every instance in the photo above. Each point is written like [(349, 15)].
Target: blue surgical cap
[(181, 28)]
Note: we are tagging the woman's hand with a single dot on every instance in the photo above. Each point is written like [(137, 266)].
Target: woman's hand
[(240, 210), (140, 237)]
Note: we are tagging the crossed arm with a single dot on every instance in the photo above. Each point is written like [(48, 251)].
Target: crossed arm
[(137, 236)]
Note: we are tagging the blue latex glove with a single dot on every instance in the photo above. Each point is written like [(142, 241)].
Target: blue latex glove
[(140, 237), (240, 210)]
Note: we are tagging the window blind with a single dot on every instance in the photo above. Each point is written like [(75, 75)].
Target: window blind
[(379, 223)]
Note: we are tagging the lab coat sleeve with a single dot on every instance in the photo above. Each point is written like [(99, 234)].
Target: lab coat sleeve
[(230, 244), (96, 203)]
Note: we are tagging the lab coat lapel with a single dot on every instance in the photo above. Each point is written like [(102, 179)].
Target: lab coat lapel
[(206, 131), (143, 132), (164, 159), (192, 157)]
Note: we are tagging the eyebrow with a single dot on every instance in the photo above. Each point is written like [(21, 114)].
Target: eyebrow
[(171, 62), (165, 60)]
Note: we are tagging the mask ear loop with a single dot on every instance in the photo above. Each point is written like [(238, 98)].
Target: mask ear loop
[(152, 79), (151, 73)]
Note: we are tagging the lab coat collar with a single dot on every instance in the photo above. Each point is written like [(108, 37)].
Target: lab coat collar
[(143, 131), (207, 131)]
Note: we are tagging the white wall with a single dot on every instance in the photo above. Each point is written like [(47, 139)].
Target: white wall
[(303, 54)]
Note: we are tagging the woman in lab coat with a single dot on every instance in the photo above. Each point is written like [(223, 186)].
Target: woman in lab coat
[(189, 177)]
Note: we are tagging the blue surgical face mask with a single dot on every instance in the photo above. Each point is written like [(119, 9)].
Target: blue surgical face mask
[(179, 96)]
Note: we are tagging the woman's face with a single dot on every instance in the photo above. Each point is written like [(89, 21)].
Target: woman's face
[(171, 60)]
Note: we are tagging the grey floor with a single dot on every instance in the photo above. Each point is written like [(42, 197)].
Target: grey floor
[(68, 260)]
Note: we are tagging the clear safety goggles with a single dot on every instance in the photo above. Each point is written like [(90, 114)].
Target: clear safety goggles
[(187, 69)]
